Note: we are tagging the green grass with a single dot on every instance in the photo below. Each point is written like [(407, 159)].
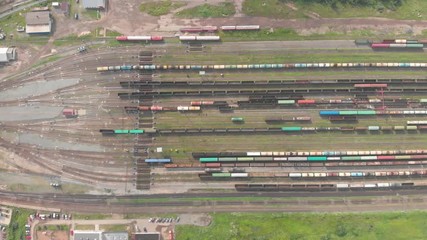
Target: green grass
[(114, 228), (282, 34), (91, 13), (95, 216), (16, 229), (224, 9), (292, 57), (62, 227), (73, 39), (49, 59), (90, 227), (307, 226), (411, 9), (159, 8)]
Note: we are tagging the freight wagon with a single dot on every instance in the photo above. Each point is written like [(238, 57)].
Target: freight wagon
[(240, 27), (199, 38), (139, 38), (199, 29), (157, 160), (326, 187)]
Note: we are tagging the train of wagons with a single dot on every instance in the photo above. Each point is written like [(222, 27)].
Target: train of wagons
[(399, 44), (386, 155), (261, 66), (303, 175)]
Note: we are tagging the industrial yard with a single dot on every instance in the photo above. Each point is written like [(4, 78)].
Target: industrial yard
[(133, 121), (207, 115)]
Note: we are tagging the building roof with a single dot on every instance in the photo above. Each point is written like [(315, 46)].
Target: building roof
[(115, 236), (3, 55), (38, 28), (38, 18), (147, 236), (87, 235), (93, 3)]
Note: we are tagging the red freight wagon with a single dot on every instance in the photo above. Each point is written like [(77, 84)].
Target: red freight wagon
[(380, 45), (122, 38), (386, 157), (213, 165), (196, 103), (306, 101), (156, 38)]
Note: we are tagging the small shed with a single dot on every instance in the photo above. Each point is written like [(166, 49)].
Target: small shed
[(94, 4)]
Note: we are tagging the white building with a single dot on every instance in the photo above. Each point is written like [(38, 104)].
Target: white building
[(7, 54)]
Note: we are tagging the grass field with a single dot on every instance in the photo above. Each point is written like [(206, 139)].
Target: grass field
[(224, 9), (16, 229), (159, 8), (292, 57), (306, 226), (281, 34), (411, 9)]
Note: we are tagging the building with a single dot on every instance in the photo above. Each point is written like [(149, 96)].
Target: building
[(94, 4), (115, 236), (38, 22), (146, 236), (87, 235), (7, 54)]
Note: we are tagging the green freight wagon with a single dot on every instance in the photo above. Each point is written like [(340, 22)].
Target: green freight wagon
[(286, 101), (237, 119), (351, 158), (136, 131), (313, 158), (291, 129), (414, 45), (208, 159), (221, 174), (119, 131), (227, 159), (245, 159), (366, 112), (347, 112)]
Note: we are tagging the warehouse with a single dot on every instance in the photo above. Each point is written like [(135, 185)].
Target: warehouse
[(94, 4), (147, 236), (87, 235), (38, 22), (115, 236), (7, 54)]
